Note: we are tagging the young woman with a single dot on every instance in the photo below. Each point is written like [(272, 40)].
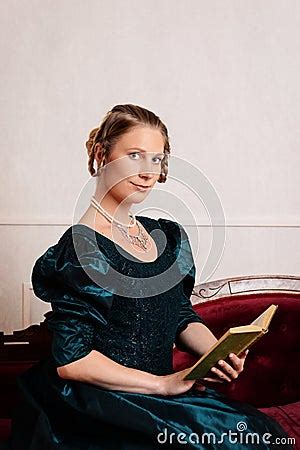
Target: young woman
[(109, 382)]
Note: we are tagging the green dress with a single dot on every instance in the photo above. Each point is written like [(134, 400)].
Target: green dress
[(136, 325)]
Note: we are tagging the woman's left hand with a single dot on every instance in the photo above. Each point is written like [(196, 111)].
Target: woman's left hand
[(226, 372)]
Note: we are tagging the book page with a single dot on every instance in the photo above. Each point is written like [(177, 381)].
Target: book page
[(264, 319)]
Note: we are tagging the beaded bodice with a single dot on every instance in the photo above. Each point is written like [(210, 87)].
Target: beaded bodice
[(134, 330)]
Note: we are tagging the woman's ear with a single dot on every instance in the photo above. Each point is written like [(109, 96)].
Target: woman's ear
[(98, 152)]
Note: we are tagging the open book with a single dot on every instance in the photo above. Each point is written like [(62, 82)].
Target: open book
[(235, 340)]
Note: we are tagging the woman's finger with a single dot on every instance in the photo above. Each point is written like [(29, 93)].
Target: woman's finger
[(214, 380), (199, 387), (244, 354), (238, 362), (230, 371), (223, 376)]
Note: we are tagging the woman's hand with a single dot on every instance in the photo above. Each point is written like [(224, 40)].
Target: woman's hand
[(226, 372), (174, 384)]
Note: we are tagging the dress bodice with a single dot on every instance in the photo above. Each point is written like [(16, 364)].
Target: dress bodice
[(104, 298)]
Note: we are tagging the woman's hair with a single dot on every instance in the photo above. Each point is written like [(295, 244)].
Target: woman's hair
[(119, 120)]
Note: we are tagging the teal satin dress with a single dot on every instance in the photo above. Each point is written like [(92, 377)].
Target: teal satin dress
[(101, 299)]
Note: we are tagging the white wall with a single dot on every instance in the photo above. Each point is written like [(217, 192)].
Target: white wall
[(223, 75)]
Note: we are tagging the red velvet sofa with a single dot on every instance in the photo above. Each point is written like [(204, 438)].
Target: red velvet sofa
[(271, 377), (270, 380)]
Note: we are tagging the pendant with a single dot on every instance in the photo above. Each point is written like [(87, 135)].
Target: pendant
[(141, 242)]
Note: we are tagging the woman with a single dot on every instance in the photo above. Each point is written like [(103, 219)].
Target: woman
[(109, 382)]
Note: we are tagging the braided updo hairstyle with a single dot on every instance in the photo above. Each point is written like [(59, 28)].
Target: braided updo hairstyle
[(119, 120)]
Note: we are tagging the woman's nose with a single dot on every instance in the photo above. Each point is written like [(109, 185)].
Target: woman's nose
[(147, 166)]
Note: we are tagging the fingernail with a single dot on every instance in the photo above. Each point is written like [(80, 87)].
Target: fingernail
[(231, 355)]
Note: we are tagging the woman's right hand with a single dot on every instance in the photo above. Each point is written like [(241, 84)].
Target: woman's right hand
[(174, 384)]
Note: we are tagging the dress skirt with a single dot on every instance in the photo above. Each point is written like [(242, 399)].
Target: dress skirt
[(71, 415)]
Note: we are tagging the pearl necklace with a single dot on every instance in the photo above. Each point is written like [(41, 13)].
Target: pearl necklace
[(140, 240)]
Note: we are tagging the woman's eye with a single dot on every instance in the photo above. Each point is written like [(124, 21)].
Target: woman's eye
[(158, 159), (132, 154)]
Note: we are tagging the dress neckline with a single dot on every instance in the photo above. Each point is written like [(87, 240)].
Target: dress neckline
[(114, 244)]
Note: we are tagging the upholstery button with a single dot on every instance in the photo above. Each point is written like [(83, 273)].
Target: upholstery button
[(283, 327)]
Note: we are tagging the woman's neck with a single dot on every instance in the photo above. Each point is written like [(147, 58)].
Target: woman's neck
[(110, 204)]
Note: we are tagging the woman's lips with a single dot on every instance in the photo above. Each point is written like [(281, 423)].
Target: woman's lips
[(140, 188)]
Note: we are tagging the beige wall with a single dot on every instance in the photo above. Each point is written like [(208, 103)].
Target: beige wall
[(222, 75)]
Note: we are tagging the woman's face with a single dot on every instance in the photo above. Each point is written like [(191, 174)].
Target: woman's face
[(134, 160)]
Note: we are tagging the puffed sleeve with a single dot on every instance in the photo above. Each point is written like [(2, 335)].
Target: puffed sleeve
[(187, 266), (71, 276)]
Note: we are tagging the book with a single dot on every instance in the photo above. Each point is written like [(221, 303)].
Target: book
[(235, 340)]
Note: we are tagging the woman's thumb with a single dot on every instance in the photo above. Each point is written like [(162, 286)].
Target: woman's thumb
[(199, 386)]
